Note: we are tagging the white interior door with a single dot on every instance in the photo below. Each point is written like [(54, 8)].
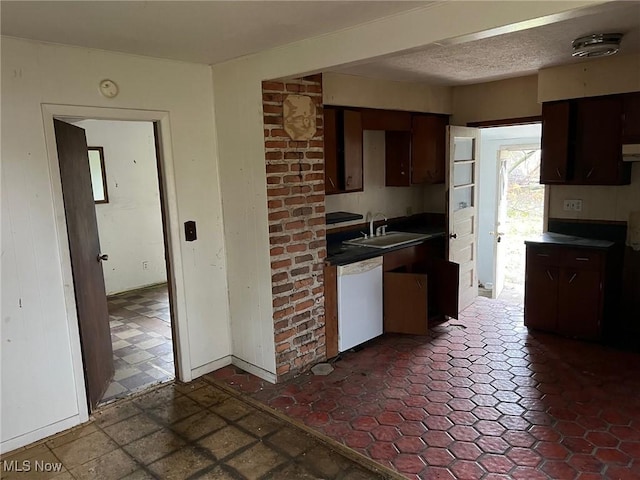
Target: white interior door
[(498, 231), (462, 199)]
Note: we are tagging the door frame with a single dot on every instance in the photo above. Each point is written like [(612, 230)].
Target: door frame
[(171, 227), (545, 206)]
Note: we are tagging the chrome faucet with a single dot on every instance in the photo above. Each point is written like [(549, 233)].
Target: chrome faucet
[(380, 230)]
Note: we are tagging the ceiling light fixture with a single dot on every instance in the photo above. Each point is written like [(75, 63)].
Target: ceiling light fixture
[(597, 45)]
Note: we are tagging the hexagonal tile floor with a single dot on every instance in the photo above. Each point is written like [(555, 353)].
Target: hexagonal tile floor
[(478, 398)]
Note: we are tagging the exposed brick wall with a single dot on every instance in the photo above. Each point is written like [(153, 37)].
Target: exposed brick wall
[(295, 190)]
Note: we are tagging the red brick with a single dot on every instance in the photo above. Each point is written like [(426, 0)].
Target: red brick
[(279, 277), (310, 177), (277, 168), (270, 85), (271, 204), (273, 155), (318, 198), (293, 155), (282, 288), (279, 215), (285, 312), (276, 251), (303, 283), (278, 191), (294, 87), (294, 225), (271, 180), (292, 178), (275, 144), (318, 155), (304, 305), (300, 167), (272, 97), (275, 228), (279, 132), (315, 221), (298, 144), (302, 236), (294, 200), (280, 239), (281, 264), (272, 119), (272, 109), (298, 295), (282, 347), (301, 189), (299, 247)]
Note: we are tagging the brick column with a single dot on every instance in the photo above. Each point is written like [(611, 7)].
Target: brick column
[(295, 190)]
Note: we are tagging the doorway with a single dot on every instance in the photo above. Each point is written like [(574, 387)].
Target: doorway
[(512, 207), (126, 222)]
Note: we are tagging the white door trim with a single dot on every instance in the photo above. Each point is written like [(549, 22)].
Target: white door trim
[(49, 111)]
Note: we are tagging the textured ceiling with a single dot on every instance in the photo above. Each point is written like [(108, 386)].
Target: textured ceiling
[(508, 55), (197, 31)]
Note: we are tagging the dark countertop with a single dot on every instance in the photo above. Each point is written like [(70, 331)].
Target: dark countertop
[(341, 254), (560, 239)]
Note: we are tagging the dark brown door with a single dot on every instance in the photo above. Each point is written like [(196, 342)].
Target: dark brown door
[(631, 118), (352, 150), (444, 292), (405, 303), (579, 306), (331, 180), (84, 246), (397, 159)]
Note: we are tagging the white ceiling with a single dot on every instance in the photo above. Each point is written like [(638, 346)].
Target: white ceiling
[(508, 55), (195, 31), (214, 31)]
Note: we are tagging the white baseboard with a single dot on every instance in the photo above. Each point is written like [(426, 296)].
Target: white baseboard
[(210, 367), (44, 432), (255, 370)]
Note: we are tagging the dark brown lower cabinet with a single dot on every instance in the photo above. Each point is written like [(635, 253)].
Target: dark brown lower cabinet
[(417, 287), (565, 290), (406, 303)]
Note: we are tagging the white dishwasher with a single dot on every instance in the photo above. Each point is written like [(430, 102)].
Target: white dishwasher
[(359, 302)]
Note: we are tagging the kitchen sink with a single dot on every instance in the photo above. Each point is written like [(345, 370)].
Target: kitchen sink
[(389, 240)]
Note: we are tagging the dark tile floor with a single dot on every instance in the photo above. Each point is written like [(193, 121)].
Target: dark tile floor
[(141, 337), (478, 398), (189, 431)]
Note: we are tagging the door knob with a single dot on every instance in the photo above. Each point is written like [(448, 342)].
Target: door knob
[(453, 235), (103, 257)]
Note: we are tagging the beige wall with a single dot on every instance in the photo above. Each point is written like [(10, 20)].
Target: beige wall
[(604, 76), (354, 91), (598, 202), (503, 99), (42, 377)]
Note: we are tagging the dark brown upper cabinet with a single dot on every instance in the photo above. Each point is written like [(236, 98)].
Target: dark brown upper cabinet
[(343, 150), (428, 148), (557, 147), (388, 120), (418, 156), (631, 118), (582, 142)]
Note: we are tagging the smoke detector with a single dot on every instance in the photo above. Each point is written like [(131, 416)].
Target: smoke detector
[(597, 45)]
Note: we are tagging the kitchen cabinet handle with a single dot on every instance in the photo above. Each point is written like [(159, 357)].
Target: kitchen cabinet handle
[(582, 259), (590, 172), (331, 182), (549, 275), (349, 180), (453, 235), (419, 284), (558, 172), (573, 277), (542, 254)]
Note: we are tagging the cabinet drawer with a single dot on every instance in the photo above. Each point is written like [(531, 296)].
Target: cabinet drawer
[(581, 258), (542, 255)]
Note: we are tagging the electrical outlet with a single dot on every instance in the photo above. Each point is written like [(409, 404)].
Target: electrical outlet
[(572, 205), (145, 265)]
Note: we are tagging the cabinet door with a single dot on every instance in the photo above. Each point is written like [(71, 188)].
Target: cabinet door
[(598, 142), (579, 304), (352, 150), (397, 149), (428, 149), (541, 296), (556, 142), (631, 118), (331, 309), (405, 303), (444, 292), (331, 180)]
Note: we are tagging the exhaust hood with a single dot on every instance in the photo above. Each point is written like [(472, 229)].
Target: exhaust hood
[(631, 152)]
